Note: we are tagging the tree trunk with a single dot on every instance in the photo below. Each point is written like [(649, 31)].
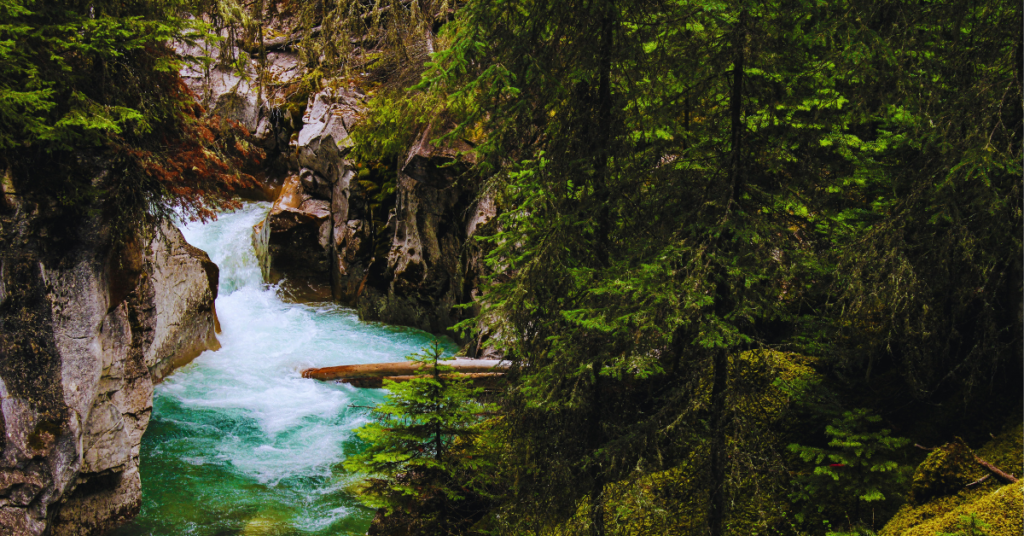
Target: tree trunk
[(603, 141), (716, 516), (478, 379), (596, 439)]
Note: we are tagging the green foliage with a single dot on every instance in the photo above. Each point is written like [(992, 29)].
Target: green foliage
[(381, 43), (95, 117), (389, 127), (680, 182), (49, 101), (860, 465), (428, 462)]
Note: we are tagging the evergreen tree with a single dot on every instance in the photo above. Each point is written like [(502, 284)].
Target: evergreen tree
[(427, 462), (95, 116), (682, 181)]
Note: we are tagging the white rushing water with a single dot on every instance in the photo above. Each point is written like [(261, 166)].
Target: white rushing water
[(239, 442)]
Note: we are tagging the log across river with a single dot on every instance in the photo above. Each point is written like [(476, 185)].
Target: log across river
[(481, 371), (239, 443)]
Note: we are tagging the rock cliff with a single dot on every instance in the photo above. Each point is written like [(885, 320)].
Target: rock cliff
[(407, 260), (432, 263), (86, 328)]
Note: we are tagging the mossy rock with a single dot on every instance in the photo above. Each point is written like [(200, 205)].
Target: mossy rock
[(999, 506), (911, 516), (1006, 451), (944, 472), (673, 502), (1002, 510)]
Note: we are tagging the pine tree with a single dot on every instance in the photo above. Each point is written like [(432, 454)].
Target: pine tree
[(682, 181), (428, 463)]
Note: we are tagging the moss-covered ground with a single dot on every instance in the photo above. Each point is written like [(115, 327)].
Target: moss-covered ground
[(946, 491)]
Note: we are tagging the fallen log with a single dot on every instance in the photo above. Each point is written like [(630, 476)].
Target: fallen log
[(403, 368), (479, 379)]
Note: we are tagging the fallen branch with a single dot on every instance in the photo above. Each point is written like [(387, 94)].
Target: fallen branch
[(979, 481), (995, 470), (1009, 478)]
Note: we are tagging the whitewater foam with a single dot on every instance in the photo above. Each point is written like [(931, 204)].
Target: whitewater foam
[(238, 438)]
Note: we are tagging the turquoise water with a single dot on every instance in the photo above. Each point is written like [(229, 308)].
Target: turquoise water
[(239, 443)]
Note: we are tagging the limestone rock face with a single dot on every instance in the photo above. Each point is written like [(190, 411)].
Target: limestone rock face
[(433, 264), (269, 112), (79, 319), (222, 91), (184, 282), (323, 140), (296, 234), (313, 228), (226, 92)]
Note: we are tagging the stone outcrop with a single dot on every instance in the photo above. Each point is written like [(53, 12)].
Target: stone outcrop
[(267, 110), (296, 233), (221, 89), (411, 262), (85, 330), (433, 264), (310, 212), (184, 283)]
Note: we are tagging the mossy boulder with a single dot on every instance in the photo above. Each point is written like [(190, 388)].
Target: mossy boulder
[(675, 501), (1006, 451), (1000, 507), (944, 472)]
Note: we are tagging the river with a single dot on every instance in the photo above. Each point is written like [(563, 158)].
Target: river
[(239, 443)]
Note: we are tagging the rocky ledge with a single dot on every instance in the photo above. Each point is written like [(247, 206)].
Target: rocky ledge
[(86, 329)]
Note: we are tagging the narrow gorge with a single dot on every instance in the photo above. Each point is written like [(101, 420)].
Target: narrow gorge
[(93, 334), (707, 268), (239, 442)]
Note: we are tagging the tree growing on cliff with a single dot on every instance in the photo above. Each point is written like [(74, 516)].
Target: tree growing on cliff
[(94, 115), (428, 463)]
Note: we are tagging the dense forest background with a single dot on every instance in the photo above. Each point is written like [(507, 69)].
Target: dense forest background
[(747, 254)]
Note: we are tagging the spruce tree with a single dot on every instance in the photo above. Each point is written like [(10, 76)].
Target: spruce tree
[(428, 464)]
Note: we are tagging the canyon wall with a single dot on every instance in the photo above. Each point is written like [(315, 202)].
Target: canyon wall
[(86, 328), (410, 263), (410, 260)]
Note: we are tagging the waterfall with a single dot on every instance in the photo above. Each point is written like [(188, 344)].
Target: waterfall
[(239, 443)]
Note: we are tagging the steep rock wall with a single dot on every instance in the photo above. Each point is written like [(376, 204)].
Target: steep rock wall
[(430, 263), (85, 329), (411, 266), (433, 263)]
